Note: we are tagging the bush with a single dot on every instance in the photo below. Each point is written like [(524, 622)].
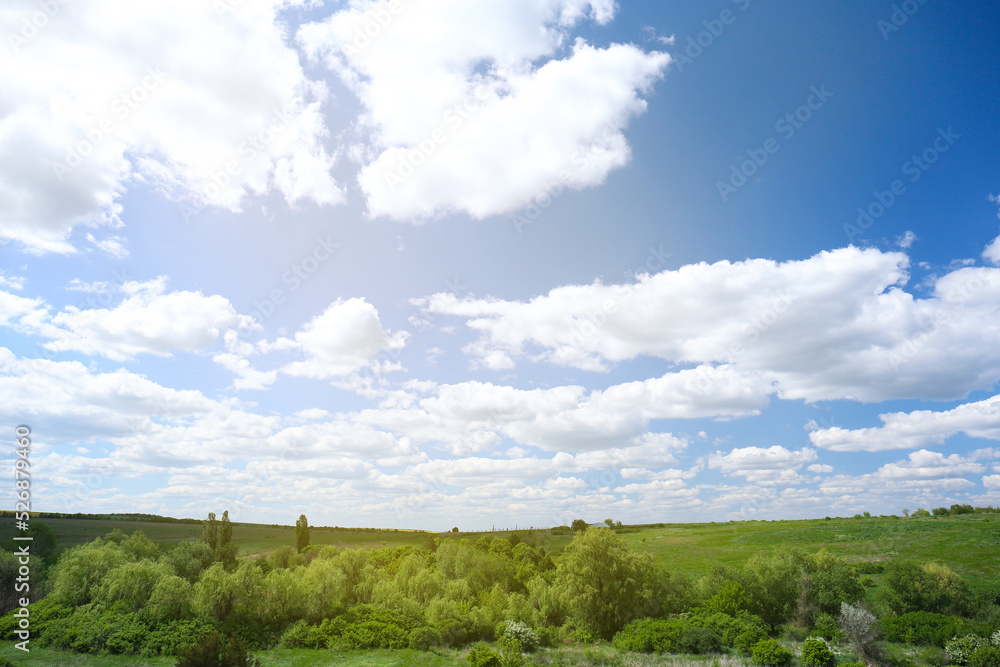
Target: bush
[(825, 626), (698, 640), (7, 662), (520, 633), (483, 655), (923, 627), (172, 638), (932, 656), (861, 629), (960, 649), (986, 656), (816, 651), (423, 638), (214, 651), (746, 640), (769, 652), (650, 635)]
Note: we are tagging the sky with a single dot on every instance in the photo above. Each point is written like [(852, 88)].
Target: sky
[(498, 263)]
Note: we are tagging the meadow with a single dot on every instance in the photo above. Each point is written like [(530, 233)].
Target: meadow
[(413, 597)]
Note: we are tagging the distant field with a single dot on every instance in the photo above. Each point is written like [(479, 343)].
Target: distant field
[(251, 538), (969, 544)]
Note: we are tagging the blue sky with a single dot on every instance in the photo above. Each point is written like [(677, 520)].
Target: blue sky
[(426, 263)]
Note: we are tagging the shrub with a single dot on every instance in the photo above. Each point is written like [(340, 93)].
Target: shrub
[(520, 633), (985, 656), (7, 662), (816, 651), (995, 639), (424, 637), (746, 640), (861, 629), (922, 627), (932, 656), (698, 640), (770, 652), (172, 638), (483, 655), (650, 635), (960, 649), (214, 651), (825, 626)]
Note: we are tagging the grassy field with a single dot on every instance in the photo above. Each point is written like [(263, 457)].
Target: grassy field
[(969, 544), (251, 538)]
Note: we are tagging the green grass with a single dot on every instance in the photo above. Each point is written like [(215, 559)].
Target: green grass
[(969, 544), (251, 538)]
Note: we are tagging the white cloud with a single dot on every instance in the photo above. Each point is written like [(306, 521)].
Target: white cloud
[(924, 464), (820, 468), (107, 94), (482, 121), (835, 326), (917, 429), (991, 482), (773, 465), (344, 338), (992, 252), (149, 320)]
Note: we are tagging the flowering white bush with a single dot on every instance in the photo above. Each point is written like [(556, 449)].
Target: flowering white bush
[(522, 634), (960, 649), (996, 639)]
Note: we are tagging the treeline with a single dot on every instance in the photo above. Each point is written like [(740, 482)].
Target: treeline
[(127, 594)]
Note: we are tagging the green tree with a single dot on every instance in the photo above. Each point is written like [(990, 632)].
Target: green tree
[(579, 525), (44, 541), (210, 531), (227, 550), (601, 582), (301, 533)]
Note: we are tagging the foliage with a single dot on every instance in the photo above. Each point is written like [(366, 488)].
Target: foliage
[(961, 649), (986, 656), (523, 636), (650, 635), (922, 627), (860, 628), (933, 587), (601, 582), (210, 532), (831, 581), (816, 652), (579, 525), (424, 637), (215, 651), (825, 625), (483, 655), (301, 533), (770, 652)]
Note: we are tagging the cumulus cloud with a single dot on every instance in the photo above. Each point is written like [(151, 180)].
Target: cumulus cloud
[(917, 429), (344, 338), (770, 465), (204, 101), (924, 464), (837, 325), (482, 122), (991, 253)]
